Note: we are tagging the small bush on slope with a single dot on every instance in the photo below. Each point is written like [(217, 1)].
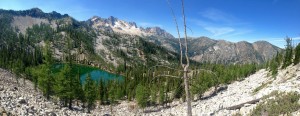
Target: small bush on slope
[(283, 103)]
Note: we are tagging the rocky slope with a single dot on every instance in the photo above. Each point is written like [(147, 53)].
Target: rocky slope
[(22, 99)]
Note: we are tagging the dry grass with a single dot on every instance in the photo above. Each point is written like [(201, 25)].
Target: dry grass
[(263, 85)]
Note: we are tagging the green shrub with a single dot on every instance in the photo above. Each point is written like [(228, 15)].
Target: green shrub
[(283, 103)]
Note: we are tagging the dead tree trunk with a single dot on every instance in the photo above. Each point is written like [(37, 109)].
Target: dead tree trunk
[(242, 104), (187, 93), (184, 66)]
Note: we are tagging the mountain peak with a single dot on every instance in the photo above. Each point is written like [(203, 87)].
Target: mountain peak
[(36, 10), (125, 27), (112, 18)]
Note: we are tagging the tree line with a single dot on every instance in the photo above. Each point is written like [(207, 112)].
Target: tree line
[(290, 55)]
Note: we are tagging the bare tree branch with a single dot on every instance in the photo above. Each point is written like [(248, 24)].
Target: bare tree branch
[(163, 66), (191, 30), (185, 36), (172, 76), (206, 71), (179, 40), (167, 76)]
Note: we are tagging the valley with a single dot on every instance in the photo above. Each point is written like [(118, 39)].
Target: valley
[(57, 64)]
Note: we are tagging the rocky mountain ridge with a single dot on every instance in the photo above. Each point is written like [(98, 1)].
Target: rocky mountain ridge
[(113, 34), (116, 25), (205, 49)]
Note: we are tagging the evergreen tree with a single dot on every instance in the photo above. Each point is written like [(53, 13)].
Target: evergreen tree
[(62, 87), (90, 92), (119, 92), (141, 95), (154, 94), (101, 91), (161, 96), (78, 90), (112, 92), (44, 75), (288, 53), (297, 54), (274, 67)]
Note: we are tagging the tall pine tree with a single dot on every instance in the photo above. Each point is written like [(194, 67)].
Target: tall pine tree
[(63, 87), (45, 75), (297, 54), (90, 92), (288, 52)]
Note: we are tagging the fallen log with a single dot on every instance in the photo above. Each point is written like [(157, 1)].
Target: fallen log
[(242, 104)]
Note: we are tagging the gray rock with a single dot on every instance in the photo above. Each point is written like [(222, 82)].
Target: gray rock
[(2, 110), (22, 101), (51, 113), (65, 114), (32, 107), (211, 92), (222, 87), (15, 88), (5, 114), (32, 111)]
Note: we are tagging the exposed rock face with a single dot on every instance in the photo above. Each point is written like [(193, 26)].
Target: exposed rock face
[(204, 49), (265, 49), (157, 31), (24, 19), (24, 22), (120, 26)]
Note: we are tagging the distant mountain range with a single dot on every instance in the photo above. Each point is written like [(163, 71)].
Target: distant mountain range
[(112, 36), (120, 26)]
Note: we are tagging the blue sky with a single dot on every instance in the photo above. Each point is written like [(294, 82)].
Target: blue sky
[(231, 20)]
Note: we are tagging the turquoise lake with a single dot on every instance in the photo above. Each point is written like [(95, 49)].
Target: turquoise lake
[(97, 75)]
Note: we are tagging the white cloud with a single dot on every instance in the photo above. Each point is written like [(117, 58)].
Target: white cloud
[(282, 39), (147, 24), (217, 31), (221, 24), (240, 32), (277, 39), (218, 16), (296, 38)]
